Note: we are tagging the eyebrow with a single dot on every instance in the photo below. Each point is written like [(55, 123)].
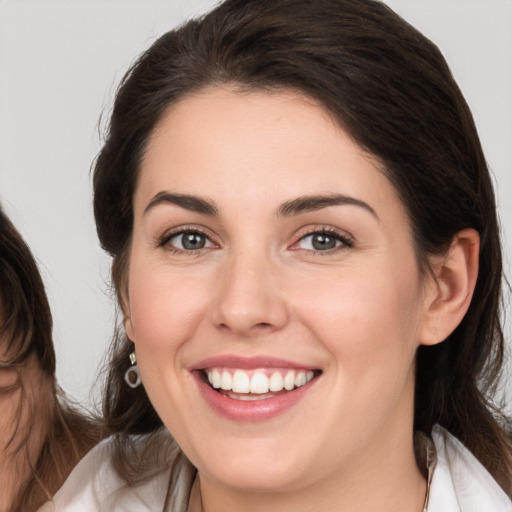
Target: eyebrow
[(296, 206), (306, 204), (192, 203)]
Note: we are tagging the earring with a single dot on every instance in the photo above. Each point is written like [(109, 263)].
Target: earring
[(132, 376)]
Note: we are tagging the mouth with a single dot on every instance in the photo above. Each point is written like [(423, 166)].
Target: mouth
[(253, 389), (256, 384)]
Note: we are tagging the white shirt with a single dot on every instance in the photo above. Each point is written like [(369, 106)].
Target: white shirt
[(459, 483)]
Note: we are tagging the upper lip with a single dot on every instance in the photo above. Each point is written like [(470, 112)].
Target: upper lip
[(249, 363)]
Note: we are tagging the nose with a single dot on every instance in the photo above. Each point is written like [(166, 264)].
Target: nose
[(249, 300)]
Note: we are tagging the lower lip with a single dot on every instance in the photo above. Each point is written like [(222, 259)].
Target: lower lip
[(253, 410)]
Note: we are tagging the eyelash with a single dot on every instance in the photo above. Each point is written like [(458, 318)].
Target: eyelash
[(165, 239), (346, 242)]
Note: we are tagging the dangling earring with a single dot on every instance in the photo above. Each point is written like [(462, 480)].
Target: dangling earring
[(132, 376)]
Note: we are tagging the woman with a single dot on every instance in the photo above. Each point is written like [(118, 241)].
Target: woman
[(306, 254), (42, 436)]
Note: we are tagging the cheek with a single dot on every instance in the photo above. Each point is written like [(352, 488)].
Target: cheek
[(8, 378), (162, 309), (164, 315), (364, 316)]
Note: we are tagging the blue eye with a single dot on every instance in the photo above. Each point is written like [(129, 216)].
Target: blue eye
[(188, 241), (323, 241)]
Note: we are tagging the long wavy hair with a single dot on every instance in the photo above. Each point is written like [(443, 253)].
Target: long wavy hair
[(391, 89), (65, 432)]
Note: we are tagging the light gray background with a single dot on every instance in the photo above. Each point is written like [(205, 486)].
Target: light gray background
[(60, 61)]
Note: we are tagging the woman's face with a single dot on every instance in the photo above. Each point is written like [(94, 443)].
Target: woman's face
[(270, 252)]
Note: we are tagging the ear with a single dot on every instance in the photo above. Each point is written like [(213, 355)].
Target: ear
[(450, 288), (127, 323), (124, 303), (123, 299)]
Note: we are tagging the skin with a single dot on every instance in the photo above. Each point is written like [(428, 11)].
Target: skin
[(16, 459), (356, 312), (10, 470)]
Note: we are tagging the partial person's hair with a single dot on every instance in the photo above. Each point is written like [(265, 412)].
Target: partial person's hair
[(390, 88), (64, 431)]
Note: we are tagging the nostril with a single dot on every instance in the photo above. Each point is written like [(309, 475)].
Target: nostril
[(246, 329)]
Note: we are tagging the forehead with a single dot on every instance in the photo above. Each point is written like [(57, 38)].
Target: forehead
[(248, 145)]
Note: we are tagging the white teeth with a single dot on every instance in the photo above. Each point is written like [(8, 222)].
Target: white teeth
[(300, 379), (215, 378), (226, 381), (240, 382), (289, 381), (275, 382), (258, 383)]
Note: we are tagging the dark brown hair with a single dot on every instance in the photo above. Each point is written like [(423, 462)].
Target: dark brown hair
[(25, 333), (390, 88)]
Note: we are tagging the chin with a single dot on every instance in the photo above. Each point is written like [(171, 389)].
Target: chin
[(267, 476), (259, 466)]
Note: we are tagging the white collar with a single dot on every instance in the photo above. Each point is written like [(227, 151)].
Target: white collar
[(459, 482)]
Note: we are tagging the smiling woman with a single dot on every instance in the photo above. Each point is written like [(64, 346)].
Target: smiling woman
[(306, 255), (265, 276)]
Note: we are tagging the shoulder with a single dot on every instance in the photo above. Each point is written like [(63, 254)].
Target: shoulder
[(459, 482), (95, 486)]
